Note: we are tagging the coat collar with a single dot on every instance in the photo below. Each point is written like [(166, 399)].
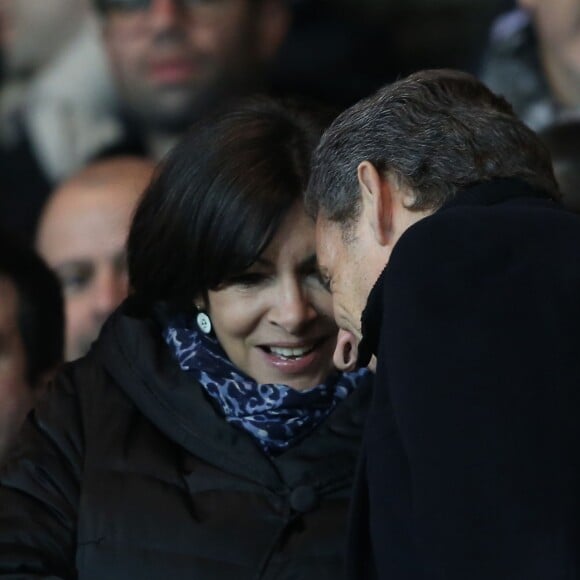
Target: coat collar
[(495, 191), (486, 193), (133, 351)]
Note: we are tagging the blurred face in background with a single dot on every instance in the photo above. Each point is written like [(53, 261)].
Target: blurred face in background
[(32, 32), (170, 57), (557, 24), (82, 237), (16, 395)]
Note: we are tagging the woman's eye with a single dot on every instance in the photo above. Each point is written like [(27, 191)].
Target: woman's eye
[(250, 279)]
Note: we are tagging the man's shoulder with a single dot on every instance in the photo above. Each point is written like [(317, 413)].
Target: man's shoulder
[(474, 241), (449, 224)]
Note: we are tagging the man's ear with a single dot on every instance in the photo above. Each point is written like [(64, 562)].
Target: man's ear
[(272, 27), (345, 352), (377, 201)]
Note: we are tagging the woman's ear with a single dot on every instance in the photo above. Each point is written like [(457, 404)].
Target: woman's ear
[(200, 303)]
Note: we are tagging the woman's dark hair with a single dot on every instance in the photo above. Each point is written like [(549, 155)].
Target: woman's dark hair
[(218, 199)]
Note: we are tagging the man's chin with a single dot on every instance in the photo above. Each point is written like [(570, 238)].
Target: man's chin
[(168, 109)]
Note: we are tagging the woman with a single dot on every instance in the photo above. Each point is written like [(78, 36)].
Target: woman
[(207, 434)]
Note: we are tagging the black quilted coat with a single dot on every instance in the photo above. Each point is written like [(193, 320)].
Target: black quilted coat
[(126, 471)]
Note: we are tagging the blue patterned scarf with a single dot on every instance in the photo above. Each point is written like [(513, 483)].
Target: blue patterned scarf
[(277, 416)]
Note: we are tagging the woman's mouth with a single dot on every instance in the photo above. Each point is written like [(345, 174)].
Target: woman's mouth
[(296, 359), (289, 353)]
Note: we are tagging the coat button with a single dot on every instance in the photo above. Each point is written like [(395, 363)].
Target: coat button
[(303, 499)]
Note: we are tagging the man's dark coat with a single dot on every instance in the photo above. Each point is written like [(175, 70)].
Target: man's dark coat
[(472, 447)]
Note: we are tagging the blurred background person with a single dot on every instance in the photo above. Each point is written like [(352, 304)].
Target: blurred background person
[(31, 334), (410, 35), (81, 235), (175, 60), (563, 141), (56, 102), (533, 60)]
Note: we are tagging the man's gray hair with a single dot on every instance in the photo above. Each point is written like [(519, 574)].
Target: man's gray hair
[(436, 131)]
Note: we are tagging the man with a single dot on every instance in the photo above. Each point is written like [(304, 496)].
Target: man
[(533, 60), (56, 102), (31, 334), (82, 235), (437, 225), (175, 59)]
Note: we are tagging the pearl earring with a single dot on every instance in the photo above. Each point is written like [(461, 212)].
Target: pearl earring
[(203, 322)]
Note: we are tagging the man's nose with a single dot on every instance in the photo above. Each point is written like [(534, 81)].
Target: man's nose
[(165, 13)]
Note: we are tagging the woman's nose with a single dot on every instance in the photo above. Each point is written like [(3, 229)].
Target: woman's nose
[(292, 309)]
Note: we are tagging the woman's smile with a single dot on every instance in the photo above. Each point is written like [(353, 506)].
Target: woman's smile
[(297, 359), (275, 320)]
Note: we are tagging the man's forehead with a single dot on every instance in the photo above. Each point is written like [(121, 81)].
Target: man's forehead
[(328, 230), (91, 223), (91, 258), (321, 232), (95, 197), (329, 242)]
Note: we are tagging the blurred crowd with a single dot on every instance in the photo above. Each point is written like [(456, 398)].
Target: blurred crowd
[(94, 92)]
